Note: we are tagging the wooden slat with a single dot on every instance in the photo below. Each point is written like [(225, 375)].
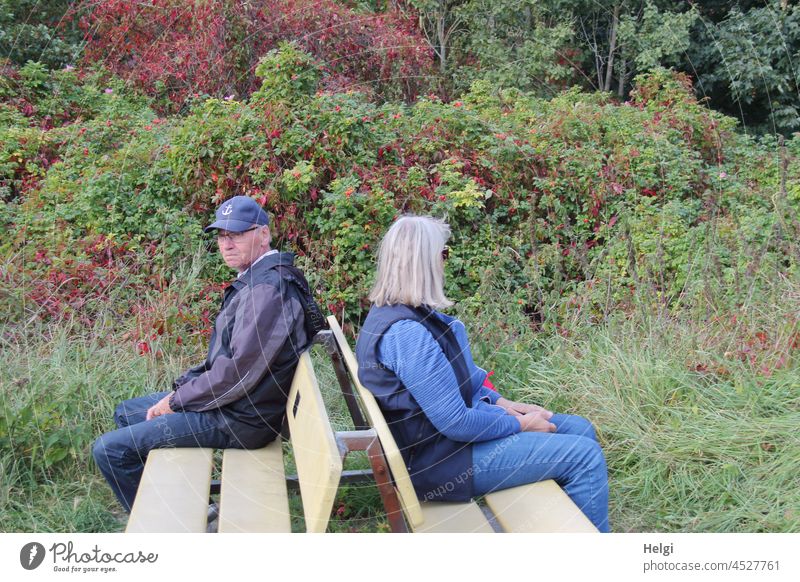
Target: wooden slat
[(538, 508), (319, 463), (173, 493), (443, 517), (253, 496), (402, 480)]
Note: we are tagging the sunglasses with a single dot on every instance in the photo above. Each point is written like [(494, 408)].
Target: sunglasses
[(445, 253)]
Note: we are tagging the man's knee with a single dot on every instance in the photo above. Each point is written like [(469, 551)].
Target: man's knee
[(120, 416), (108, 448), (132, 411), (100, 451)]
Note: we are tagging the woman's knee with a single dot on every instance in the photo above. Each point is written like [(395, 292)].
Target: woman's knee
[(573, 424), (594, 458)]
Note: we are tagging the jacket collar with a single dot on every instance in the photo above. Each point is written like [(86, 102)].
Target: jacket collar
[(259, 259), (261, 266)]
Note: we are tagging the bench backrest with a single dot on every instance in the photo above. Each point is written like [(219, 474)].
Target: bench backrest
[(319, 463), (402, 480)]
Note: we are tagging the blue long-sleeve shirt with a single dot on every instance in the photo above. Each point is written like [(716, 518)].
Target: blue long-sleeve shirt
[(411, 352)]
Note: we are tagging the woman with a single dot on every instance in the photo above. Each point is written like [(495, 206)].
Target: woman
[(458, 438)]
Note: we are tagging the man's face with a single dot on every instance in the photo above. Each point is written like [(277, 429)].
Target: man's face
[(240, 249)]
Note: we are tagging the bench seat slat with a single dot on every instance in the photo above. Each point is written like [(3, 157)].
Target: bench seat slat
[(173, 494), (444, 517), (538, 508), (253, 495)]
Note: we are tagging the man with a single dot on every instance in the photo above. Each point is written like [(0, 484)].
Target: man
[(237, 397)]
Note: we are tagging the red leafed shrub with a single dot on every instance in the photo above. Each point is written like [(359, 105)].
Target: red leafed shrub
[(64, 282), (176, 48), (168, 47)]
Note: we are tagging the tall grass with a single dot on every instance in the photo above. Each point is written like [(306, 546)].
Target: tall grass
[(59, 393), (61, 382), (687, 451), (697, 409), (698, 418)]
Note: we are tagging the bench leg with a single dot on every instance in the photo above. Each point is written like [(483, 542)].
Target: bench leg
[(367, 440)]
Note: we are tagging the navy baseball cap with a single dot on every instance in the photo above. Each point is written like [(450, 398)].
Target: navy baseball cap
[(239, 214)]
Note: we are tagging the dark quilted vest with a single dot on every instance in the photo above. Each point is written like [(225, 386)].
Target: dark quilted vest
[(440, 468)]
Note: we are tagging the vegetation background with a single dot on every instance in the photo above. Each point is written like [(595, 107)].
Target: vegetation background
[(621, 178)]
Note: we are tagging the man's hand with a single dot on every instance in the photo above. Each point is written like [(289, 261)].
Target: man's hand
[(537, 421), (160, 407)]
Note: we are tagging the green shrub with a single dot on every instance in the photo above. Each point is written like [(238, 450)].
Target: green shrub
[(573, 193)]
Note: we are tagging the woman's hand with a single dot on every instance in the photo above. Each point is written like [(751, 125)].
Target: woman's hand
[(520, 408), (538, 421)]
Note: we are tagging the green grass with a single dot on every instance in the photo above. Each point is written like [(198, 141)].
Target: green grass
[(698, 418), (696, 440), (59, 391), (687, 452)]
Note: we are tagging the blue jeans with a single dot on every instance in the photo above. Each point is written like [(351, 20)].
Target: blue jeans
[(120, 454), (571, 456)]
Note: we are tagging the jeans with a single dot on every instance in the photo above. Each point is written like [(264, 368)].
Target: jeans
[(571, 456), (120, 454)]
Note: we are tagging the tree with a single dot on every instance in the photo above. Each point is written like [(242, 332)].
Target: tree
[(748, 64), (174, 48), (626, 37), (545, 45), (31, 30), (516, 43), (439, 20)]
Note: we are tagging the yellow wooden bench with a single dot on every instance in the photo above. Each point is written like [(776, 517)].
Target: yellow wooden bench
[(173, 495), (538, 507)]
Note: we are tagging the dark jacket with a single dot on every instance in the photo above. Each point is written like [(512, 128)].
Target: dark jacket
[(258, 337), (440, 468)]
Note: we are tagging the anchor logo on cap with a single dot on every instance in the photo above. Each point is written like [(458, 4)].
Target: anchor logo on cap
[(227, 210)]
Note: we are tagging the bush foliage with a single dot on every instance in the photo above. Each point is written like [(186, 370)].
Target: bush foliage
[(565, 213), (578, 194), (174, 49)]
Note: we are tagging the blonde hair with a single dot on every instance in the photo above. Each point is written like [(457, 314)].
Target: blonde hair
[(410, 264)]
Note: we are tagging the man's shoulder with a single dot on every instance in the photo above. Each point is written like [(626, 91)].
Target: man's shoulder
[(275, 280), (273, 269)]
